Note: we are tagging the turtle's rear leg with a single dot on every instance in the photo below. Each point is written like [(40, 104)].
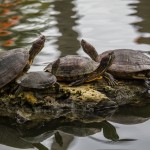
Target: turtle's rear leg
[(146, 91)]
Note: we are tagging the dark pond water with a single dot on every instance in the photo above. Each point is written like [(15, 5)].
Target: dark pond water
[(104, 23)]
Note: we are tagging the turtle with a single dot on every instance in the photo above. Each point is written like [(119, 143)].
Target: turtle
[(16, 62), (79, 69), (128, 63), (39, 80)]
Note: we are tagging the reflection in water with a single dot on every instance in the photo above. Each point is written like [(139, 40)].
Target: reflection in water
[(19, 22), (22, 21), (61, 141), (8, 19), (66, 21), (131, 115), (143, 24), (61, 133)]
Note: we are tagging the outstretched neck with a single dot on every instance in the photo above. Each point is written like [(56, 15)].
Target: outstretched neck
[(33, 52), (105, 63), (90, 50), (36, 48), (92, 53)]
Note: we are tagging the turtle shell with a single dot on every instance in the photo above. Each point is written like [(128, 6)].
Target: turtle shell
[(12, 64), (128, 61), (72, 67), (37, 80)]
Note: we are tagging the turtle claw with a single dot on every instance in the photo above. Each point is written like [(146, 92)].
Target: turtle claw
[(147, 84), (112, 82), (146, 91)]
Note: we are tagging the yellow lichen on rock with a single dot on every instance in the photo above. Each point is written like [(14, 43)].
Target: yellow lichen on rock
[(11, 96), (29, 97), (85, 93)]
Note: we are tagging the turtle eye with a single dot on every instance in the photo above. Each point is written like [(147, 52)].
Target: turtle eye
[(83, 42)]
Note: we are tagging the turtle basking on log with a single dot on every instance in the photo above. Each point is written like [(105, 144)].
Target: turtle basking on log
[(128, 64), (39, 80), (16, 62), (77, 69)]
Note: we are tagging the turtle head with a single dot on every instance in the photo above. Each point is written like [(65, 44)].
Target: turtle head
[(108, 59), (111, 57), (106, 62), (36, 47), (90, 50), (55, 66)]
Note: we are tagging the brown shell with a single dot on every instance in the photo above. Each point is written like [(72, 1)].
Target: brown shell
[(37, 80), (12, 64), (73, 66), (128, 61)]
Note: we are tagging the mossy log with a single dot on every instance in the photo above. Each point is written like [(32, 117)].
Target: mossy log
[(133, 92), (72, 102)]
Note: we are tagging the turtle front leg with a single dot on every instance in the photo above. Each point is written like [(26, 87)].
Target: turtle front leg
[(109, 79), (87, 78), (77, 82), (57, 87), (18, 90)]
